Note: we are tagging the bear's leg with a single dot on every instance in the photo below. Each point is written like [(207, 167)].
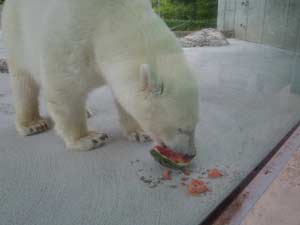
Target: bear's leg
[(130, 127), (69, 114), (25, 92)]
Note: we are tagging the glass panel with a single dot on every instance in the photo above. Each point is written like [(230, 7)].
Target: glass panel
[(249, 100)]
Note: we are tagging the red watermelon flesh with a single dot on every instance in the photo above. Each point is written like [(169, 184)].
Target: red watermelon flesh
[(173, 156)]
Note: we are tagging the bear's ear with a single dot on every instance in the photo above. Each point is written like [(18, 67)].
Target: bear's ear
[(149, 81)]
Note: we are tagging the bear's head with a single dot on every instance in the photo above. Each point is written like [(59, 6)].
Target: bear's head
[(168, 106)]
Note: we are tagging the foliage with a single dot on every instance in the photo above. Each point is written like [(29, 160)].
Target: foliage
[(187, 14)]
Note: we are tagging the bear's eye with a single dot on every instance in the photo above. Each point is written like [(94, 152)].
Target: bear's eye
[(159, 90), (162, 88), (184, 131)]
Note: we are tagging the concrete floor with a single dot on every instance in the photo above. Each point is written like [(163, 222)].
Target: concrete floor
[(248, 103)]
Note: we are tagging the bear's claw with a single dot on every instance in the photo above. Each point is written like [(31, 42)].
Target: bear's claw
[(35, 127), (92, 141), (139, 137)]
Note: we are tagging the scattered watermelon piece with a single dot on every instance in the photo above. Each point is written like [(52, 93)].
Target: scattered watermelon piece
[(167, 175), (215, 173), (197, 187)]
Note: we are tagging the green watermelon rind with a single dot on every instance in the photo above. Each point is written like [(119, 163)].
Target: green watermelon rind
[(164, 161)]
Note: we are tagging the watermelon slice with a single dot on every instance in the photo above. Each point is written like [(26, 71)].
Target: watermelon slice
[(168, 158)]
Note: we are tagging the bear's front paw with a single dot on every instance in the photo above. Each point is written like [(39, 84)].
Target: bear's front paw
[(138, 137), (92, 141), (38, 126)]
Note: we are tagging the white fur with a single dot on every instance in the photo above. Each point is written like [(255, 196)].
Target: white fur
[(69, 47)]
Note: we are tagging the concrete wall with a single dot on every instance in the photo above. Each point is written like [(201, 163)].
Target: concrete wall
[(273, 22)]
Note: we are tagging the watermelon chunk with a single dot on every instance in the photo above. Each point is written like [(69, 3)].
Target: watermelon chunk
[(167, 175), (214, 173), (197, 187), (168, 158)]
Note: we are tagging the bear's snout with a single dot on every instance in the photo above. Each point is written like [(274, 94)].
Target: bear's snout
[(182, 143)]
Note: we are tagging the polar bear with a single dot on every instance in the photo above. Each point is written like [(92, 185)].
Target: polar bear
[(67, 48)]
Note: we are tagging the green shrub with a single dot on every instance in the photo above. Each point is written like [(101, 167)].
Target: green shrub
[(187, 14)]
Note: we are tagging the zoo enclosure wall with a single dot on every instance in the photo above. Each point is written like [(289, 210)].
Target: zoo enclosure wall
[(271, 22)]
